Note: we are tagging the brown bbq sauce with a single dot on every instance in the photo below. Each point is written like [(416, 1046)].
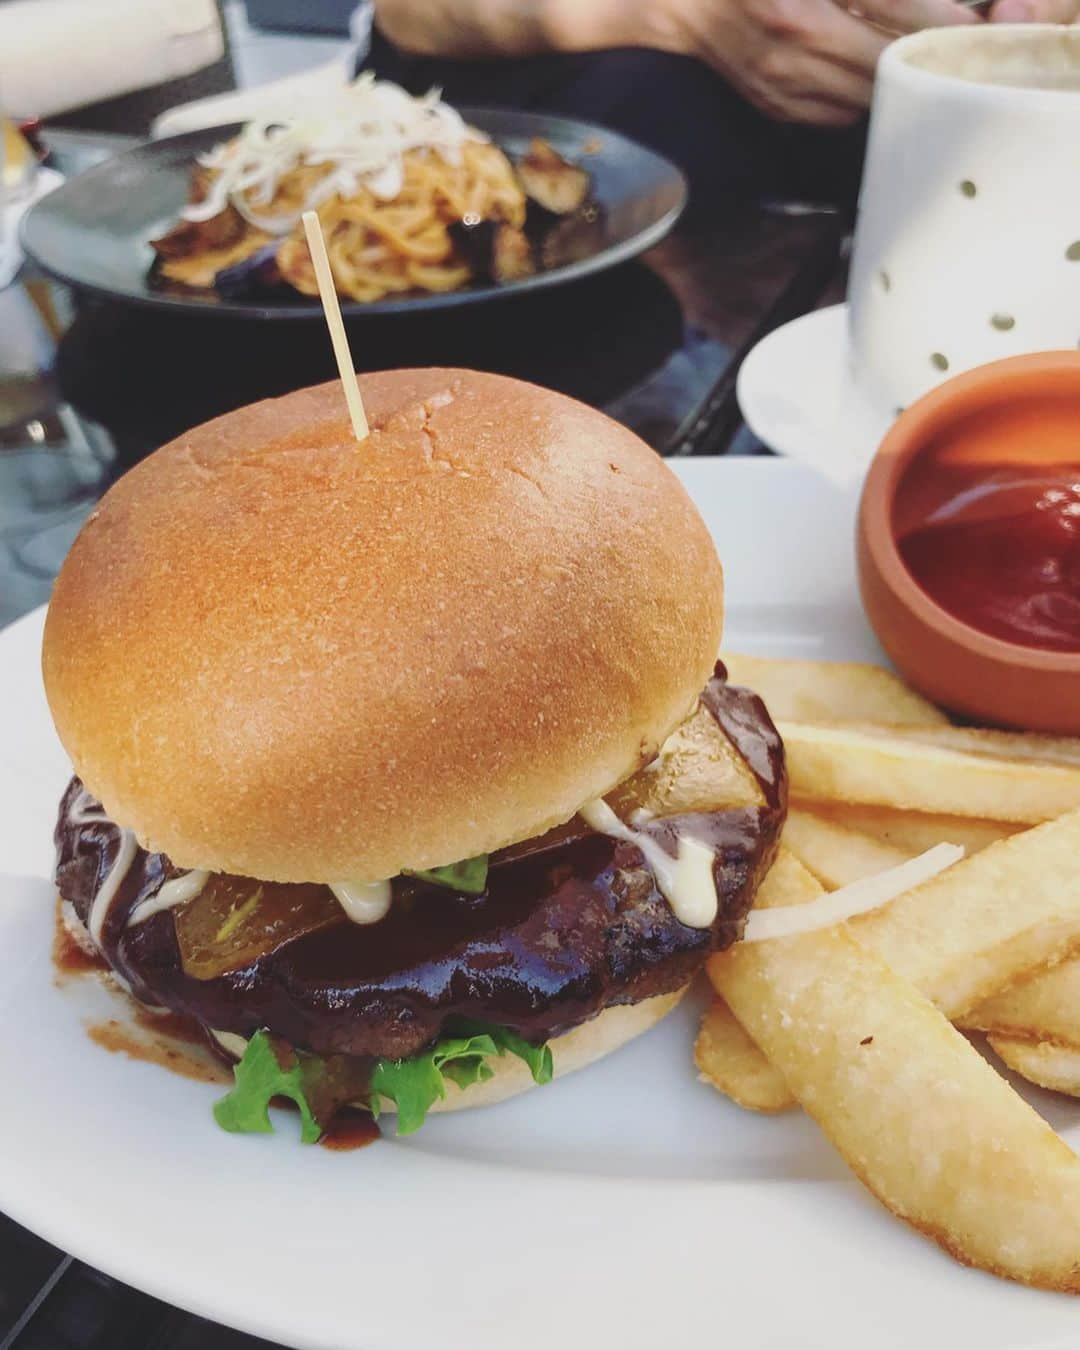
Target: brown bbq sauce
[(350, 1130), (69, 958), (158, 1045), (575, 925)]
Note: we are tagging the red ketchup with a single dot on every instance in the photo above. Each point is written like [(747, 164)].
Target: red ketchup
[(997, 545)]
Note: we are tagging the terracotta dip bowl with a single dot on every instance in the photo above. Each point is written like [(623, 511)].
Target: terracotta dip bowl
[(1016, 421)]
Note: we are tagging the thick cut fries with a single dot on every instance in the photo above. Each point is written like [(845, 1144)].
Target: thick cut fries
[(836, 855), (832, 691), (1056, 1067), (918, 1114), (988, 921), (837, 764), (732, 1063), (1025, 747), (967, 934), (725, 1052), (915, 831), (1045, 1007)]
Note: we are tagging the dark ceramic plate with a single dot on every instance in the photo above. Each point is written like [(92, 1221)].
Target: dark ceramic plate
[(92, 232)]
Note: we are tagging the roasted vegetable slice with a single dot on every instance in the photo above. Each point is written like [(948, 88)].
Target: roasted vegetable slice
[(553, 182), (235, 920)]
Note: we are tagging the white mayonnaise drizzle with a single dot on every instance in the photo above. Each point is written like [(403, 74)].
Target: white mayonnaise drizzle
[(102, 902), (364, 901), (361, 132), (86, 811), (686, 881), (231, 1042), (178, 891)]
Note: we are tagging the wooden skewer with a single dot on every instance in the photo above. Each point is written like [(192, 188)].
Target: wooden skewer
[(332, 310)]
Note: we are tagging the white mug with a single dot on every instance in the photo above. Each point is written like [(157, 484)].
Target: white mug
[(967, 246)]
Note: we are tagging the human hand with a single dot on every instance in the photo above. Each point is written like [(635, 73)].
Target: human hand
[(1035, 11), (803, 60), (897, 17)]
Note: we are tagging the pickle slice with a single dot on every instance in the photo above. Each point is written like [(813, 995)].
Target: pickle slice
[(235, 920)]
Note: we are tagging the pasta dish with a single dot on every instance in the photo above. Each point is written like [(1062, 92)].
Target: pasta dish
[(410, 199)]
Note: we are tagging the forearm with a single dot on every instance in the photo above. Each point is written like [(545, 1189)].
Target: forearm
[(466, 28)]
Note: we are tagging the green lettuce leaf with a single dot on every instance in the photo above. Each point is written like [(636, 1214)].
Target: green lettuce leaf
[(414, 1085), (469, 877), (537, 1057), (260, 1077)]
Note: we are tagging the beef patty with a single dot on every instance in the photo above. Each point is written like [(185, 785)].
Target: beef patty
[(566, 927)]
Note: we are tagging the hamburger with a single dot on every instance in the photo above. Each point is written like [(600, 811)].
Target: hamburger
[(405, 768)]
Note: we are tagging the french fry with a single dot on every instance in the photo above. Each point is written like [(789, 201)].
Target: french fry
[(836, 855), (831, 691), (919, 1115), (971, 932), (837, 764), (1044, 1007), (726, 1055), (732, 1063), (986, 922), (1056, 1067), (915, 831), (1025, 747)]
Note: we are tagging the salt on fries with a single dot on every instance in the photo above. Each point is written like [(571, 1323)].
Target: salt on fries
[(987, 944), (921, 1118)]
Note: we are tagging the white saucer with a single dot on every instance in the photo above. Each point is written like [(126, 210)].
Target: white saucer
[(798, 395)]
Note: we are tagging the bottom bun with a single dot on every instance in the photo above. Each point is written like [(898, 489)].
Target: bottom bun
[(574, 1050)]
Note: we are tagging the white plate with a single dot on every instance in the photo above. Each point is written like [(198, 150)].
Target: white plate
[(799, 397), (629, 1205)]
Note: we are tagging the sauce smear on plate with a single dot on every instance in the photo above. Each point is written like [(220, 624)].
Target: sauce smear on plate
[(349, 1130), (68, 957), (175, 1044)]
